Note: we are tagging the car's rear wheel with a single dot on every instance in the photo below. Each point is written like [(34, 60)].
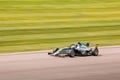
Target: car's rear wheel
[(72, 53), (96, 52)]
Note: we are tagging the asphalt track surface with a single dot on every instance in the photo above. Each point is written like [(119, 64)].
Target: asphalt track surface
[(40, 66)]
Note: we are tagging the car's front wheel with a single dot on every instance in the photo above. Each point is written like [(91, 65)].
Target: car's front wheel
[(72, 53)]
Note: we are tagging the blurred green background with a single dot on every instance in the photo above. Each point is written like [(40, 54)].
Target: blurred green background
[(29, 25)]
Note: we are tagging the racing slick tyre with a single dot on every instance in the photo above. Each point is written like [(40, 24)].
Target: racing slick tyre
[(72, 53), (50, 53), (56, 49), (96, 52)]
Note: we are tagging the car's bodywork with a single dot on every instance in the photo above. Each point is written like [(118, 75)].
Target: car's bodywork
[(73, 51)]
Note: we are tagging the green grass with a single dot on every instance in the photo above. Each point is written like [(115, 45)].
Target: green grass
[(29, 25)]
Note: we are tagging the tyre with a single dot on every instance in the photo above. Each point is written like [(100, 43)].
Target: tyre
[(96, 52), (72, 53), (49, 53), (56, 49)]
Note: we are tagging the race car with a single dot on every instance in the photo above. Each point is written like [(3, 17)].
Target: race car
[(75, 50)]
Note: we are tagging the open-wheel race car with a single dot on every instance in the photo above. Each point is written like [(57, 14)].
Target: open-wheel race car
[(75, 50)]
